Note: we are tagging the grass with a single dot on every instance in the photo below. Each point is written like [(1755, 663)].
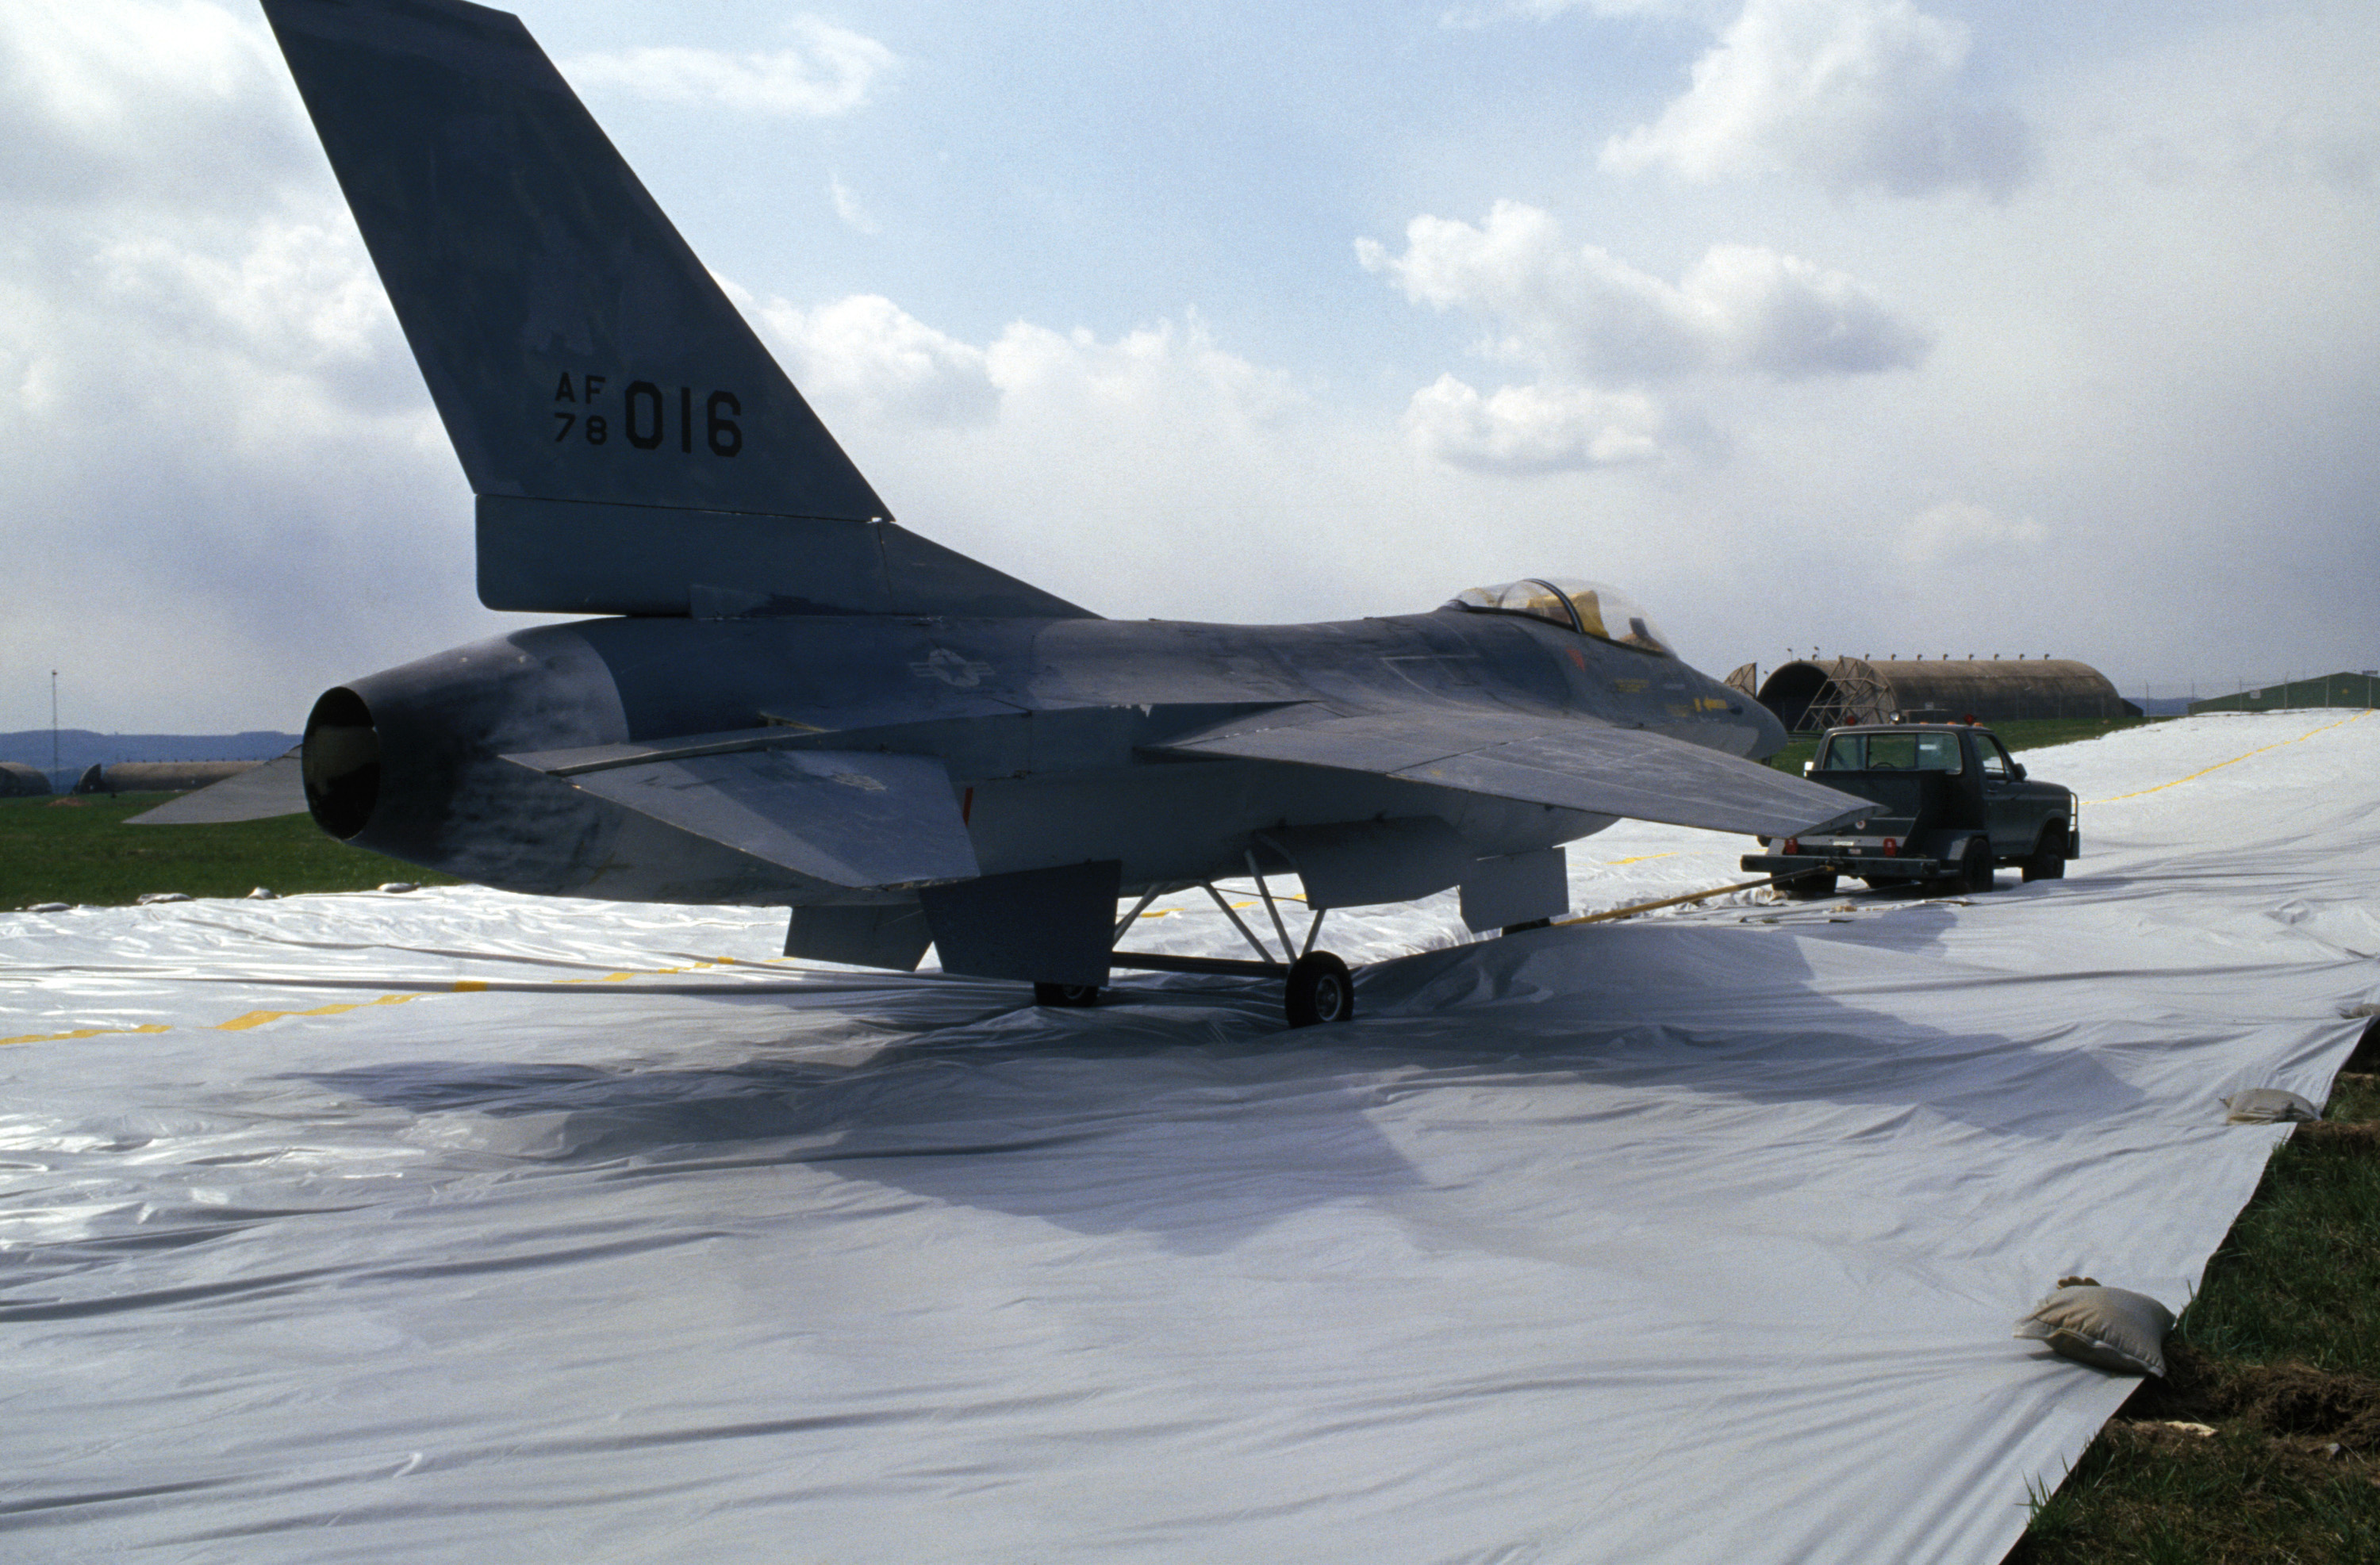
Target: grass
[(2146, 1494), (2280, 1355), (82, 852), (2029, 733)]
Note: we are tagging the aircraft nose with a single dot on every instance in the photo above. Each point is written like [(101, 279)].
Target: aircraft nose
[(1772, 732)]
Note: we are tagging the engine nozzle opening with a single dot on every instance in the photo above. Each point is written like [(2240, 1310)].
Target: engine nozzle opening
[(342, 763)]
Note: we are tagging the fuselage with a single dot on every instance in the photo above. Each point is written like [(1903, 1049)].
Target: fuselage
[(1044, 726)]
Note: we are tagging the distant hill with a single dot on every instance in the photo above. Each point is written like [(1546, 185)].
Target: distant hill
[(80, 747)]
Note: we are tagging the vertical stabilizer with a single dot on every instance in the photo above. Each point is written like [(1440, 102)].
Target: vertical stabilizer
[(631, 441)]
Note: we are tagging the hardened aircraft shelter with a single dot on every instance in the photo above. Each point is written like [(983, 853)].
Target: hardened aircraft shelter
[(456, 1226), (1810, 694)]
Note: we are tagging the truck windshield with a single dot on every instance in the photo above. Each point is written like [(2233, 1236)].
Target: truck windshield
[(1890, 752)]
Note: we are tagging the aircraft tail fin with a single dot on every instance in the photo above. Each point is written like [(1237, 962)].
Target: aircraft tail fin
[(584, 361)]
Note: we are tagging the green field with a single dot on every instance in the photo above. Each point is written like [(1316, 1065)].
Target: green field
[(76, 848)]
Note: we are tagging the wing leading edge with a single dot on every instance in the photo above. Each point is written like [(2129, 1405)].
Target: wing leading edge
[(1563, 762)]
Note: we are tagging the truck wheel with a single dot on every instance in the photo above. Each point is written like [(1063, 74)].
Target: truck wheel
[(1975, 866), (1068, 996), (2047, 862), (1320, 989), (1809, 887)]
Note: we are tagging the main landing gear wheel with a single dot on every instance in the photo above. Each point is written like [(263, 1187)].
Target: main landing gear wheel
[(1068, 995), (1320, 989)]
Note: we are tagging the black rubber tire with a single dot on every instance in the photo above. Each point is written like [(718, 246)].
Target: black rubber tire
[(1320, 989), (2048, 861), (1066, 996), (1810, 887), (1975, 869)]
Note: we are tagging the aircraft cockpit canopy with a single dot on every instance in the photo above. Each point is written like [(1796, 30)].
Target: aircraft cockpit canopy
[(1599, 610)]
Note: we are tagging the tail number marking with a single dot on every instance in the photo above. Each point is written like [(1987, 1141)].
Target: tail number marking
[(645, 415)]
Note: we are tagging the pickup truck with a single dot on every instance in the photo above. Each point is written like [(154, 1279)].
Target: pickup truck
[(1950, 806)]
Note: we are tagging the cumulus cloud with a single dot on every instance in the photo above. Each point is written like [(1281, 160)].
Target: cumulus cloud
[(826, 72), (867, 355), (864, 356), (1577, 312), (1150, 369), (95, 93), (1147, 471), (1532, 428), (1855, 93), (227, 488), (288, 294), (1960, 529)]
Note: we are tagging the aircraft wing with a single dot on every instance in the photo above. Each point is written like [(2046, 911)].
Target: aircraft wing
[(261, 792), (857, 818), (1568, 763)]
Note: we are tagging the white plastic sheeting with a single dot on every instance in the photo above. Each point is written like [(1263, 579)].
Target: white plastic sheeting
[(457, 1226)]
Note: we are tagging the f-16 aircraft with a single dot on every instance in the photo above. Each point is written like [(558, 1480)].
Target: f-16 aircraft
[(788, 698)]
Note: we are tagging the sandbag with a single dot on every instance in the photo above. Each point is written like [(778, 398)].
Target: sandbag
[(2112, 1328), (2268, 1105)]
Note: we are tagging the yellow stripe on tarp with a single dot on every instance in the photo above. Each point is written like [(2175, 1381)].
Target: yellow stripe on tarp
[(2235, 760), (258, 1018), (88, 1032), (254, 1019)]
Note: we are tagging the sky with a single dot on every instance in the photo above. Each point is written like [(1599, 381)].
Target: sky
[(1844, 326)]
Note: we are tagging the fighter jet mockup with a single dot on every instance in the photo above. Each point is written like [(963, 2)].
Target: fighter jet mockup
[(790, 699)]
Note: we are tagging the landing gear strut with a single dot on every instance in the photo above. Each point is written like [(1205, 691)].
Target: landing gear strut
[(1315, 986)]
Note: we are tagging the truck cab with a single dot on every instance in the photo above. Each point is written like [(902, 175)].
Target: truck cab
[(1951, 806)]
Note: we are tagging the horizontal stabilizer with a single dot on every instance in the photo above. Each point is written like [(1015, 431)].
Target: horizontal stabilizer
[(853, 818), (684, 746), (1568, 763), (261, 792), (778, 734), (574, 557)]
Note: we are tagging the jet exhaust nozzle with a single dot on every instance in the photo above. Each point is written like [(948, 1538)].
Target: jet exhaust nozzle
[(342, 762), (410, 761)]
